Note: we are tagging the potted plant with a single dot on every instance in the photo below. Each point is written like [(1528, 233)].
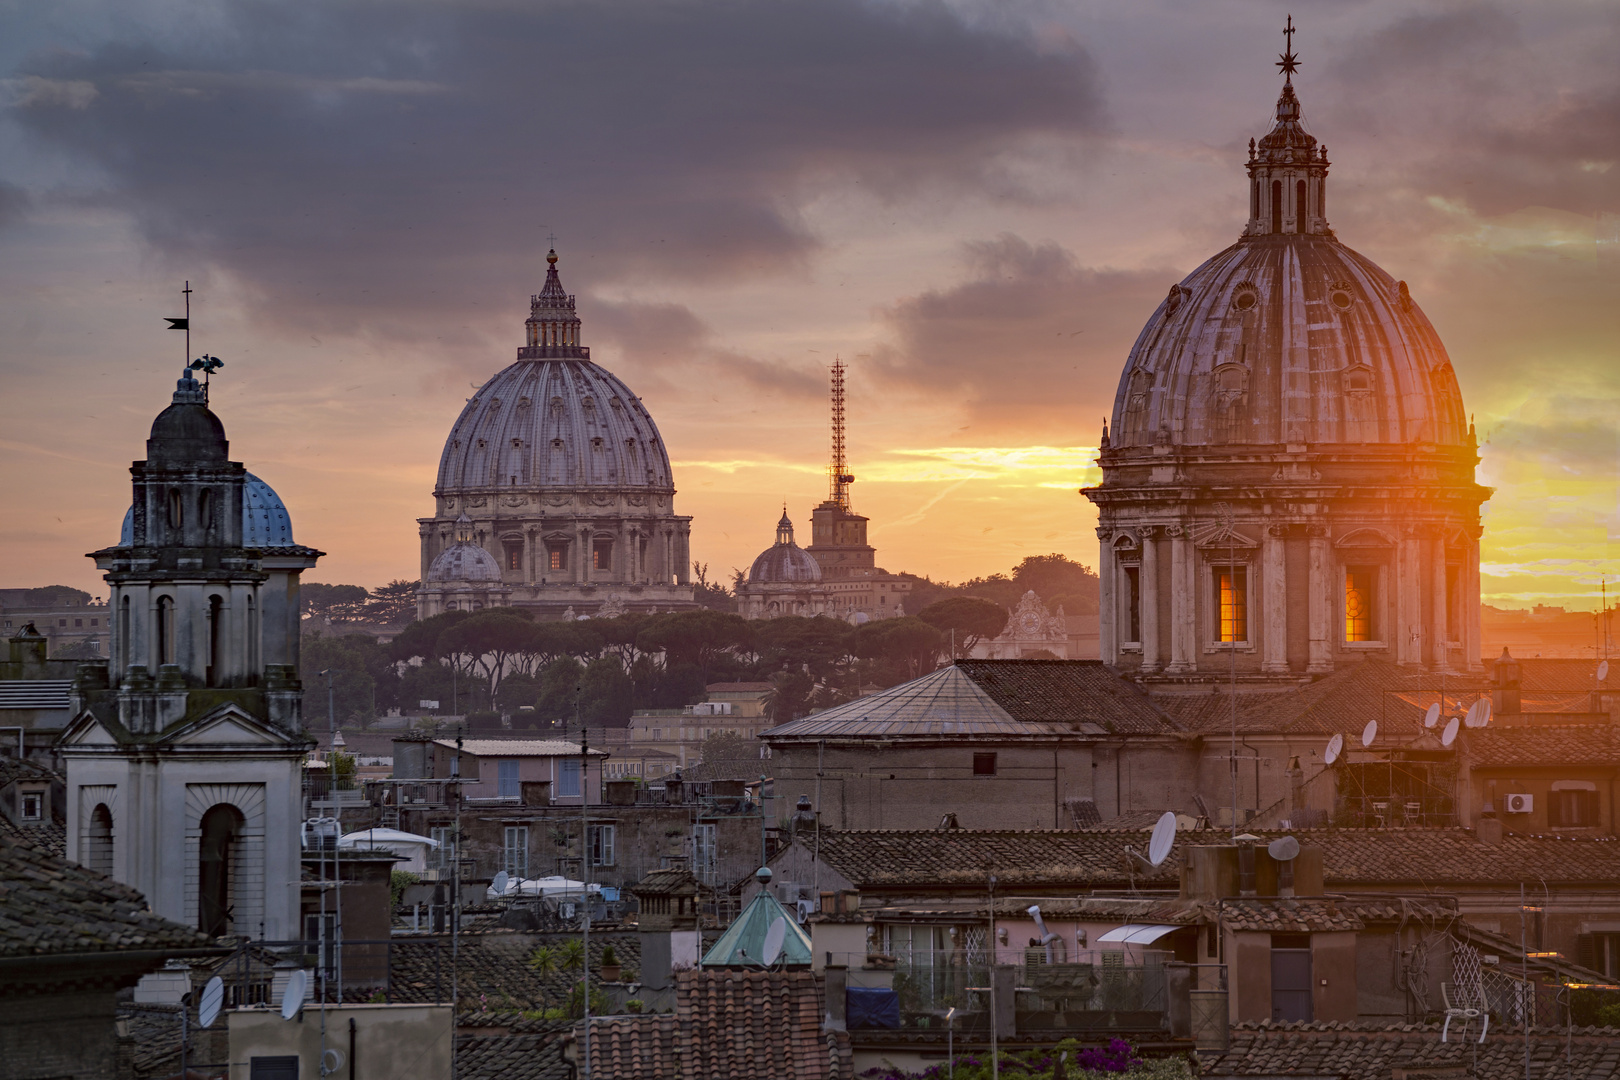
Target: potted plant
[(608, 966)]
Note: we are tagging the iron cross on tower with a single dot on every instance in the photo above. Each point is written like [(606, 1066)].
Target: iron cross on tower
[(1287, 60)]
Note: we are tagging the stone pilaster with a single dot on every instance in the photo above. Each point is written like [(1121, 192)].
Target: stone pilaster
[(1149, 578), (1320, 659), (1274, 575)]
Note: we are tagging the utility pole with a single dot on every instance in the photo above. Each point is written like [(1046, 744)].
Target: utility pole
[(585, 874)]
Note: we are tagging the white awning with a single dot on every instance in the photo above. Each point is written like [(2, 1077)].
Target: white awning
[(1136, 934)]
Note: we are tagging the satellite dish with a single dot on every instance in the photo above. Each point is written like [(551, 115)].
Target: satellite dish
[(292, 995), (773, 941), (1283, 849), (1449, 736), (1603, 671), (1432, 717), (331, 1061), (213, 996), (1476, 714), (1164, 838), (1369, 733), (498, 886), (1486, 713), (1335, 748)]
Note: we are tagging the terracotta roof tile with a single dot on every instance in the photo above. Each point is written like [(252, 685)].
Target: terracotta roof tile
[(534, 1055), (1565, 744), (1068, 692), (1289, 916), (1365, 1052)]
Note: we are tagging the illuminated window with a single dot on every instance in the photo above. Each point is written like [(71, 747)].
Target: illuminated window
[(1232, 603), (1358, 604), (602, 555), (554, 557), (514, 555)]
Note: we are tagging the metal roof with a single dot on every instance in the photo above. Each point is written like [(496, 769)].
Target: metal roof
[(743, 943), (944, 702), (518, 747)]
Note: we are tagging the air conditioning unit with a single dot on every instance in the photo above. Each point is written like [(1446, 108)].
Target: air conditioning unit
[(1521, 804)]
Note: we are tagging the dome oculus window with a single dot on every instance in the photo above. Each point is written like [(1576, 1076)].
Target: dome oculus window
[(1342, 299), (1246, 297)]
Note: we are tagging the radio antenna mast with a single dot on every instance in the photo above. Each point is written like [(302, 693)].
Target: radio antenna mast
[(838, 474)]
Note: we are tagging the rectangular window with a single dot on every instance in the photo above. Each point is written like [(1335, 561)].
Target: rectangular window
[(601, 839), (1133, 603), (507, 777), (984, 764), (555, 557), (602, 555), (1359, 600), (1600, 952), (705, 852), (1572, 809), (514, 556), (33, 806), (273, 1068), (444, 856), (515, 851), (568, 778), (1231, 603)]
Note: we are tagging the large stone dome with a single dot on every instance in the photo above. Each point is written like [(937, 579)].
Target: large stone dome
[(784, 560), (1288, 339), (564, 478)]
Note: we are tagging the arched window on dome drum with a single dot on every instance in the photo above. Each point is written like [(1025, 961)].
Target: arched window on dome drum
[(1302, 208), (1276, 206), (1359, 602), (1231, 603)]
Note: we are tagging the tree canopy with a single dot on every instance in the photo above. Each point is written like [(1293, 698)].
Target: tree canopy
[(968, 617)]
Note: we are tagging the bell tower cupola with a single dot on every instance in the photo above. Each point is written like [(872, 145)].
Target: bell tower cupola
[(1287, 169)]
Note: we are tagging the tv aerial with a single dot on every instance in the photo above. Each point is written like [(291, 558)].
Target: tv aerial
[(292, 995), (213, 996), (1283, 849), (1369, 733), (1449, 736), (1335, 747), (1164, 838), (1432, 716), (774, 937)]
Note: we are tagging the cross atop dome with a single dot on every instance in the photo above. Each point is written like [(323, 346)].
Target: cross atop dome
[(1286, 59)]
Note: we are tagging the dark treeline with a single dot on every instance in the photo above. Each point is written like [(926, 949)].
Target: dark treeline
[(501, 661)]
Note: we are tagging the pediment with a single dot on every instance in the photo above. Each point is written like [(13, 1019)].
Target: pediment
[(87, 730), (227, 725)]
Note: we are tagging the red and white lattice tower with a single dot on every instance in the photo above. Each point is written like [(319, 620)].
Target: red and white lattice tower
[(838, 474)]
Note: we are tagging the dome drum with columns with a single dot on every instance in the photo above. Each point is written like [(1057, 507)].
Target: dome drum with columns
[(556, 471), (1288, 473)]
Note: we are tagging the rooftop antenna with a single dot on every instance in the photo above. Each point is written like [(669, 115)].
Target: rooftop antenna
[(838, 475)]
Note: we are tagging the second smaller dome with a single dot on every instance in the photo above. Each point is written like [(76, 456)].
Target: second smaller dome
[(784, 560)]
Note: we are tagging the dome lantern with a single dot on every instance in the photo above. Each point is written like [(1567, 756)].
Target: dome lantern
[(1287, 170), (552, 328)]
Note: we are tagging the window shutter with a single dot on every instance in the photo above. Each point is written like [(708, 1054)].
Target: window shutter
[(1586, 951)]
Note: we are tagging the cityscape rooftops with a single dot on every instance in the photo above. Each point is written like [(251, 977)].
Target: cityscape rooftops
[(518, 747)]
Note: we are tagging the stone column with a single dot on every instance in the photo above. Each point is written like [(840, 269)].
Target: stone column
[(1148, 577), (1408, 599), (582, 564), (531, 551), (1321, 601), (1469, 605), (1274, 574), (1183, 606), (1108, 592), (1438, 583)]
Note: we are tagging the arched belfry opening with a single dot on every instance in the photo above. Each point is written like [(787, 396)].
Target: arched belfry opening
[(98, 854), (216, 865)]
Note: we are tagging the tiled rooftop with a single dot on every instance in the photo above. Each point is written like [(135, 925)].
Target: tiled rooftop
[(1363, 1052), (1088, 858), (493, 970), (1289, 916), (518, 747), (1067, 692), (49, 906), (736, 1025), (1571, 744), (532, 1055)]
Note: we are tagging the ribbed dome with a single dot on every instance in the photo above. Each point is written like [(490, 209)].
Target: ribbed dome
[(784, 560), (465, 561), (553, 419), (265, 521), (1288, 339)]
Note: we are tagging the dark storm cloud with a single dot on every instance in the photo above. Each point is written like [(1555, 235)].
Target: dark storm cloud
[(1032, 338), (368, 162), (1496, 127)]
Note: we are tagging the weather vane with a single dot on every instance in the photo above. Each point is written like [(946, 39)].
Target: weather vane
[(205, 363), (1286, 59)]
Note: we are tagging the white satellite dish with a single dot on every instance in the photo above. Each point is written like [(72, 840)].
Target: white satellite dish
[(213, 996), (1432, 717), (1369, 733), (774, 937), (1603, 671), (1449, 736), (1164, 838), (1488, 712), (1476, 714), (292, 995), (498, 886), (1283, 849), (331, 1061), (1335, 748)]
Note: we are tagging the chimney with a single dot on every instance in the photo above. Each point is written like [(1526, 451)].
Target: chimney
[(1505, 680), (1246, 869), (1489, 831)]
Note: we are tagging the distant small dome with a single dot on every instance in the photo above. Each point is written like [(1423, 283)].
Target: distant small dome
[(784, 560), (464, 560), (265, 521)]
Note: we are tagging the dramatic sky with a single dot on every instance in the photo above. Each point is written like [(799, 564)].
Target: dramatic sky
[(976, 205)]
